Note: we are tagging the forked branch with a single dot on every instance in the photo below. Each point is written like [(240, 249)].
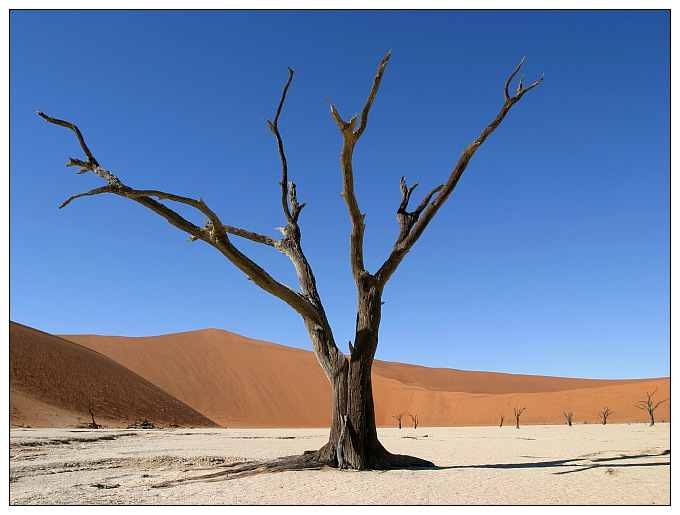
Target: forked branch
[(411, 224), (520, 90), (408, 219), (90, 158), (646, 403), (407, 238), (291, 211), (214, 232), (350, 137)]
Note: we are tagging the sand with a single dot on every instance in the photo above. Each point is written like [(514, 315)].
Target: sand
[(587, 464), (205, 379), (214, 377), (54, 382)]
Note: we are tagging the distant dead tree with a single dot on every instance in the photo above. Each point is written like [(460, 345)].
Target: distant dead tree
[(415, 420), (568, 415), (604, 414), (502, 419), (517, 411), (92, 425), (349, 376), (398, 417), (646, 404)]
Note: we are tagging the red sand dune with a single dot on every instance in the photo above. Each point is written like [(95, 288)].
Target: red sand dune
[(240, 382), (53, 382)]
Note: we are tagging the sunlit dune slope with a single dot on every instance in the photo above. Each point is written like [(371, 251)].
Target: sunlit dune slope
[(53, 382), (240, 382), (233, 380)]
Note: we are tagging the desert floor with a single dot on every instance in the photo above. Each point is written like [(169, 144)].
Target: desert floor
[(535, 465)]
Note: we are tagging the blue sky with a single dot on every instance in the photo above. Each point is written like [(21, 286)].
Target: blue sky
[(551, 257)]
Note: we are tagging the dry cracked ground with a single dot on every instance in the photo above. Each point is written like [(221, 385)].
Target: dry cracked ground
[(617, 464)]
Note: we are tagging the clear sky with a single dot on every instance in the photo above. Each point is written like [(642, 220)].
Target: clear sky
[(551, 257)]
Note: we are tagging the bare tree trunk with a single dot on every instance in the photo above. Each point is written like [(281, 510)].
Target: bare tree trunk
[(414, 418), (353, 396), (366, 450), (517, 411), (359, 445), (363, 449)]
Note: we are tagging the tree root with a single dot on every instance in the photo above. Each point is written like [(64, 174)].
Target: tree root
[(310, 460), (385, 460), (379, 459)]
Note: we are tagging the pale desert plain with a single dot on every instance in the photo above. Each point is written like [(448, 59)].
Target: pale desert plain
[(216, 399), (586, 464)]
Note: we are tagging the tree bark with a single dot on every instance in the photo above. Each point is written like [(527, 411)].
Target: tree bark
[(352, 387)]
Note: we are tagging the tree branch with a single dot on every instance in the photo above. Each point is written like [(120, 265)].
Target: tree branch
[(214, 232), (321, 334), (407, 219), (646, 404), (252, 236), (96, 191), (293, 211), (520, 90), (657, 404), (404, 244), (69, 125), (350, 138), (371, 95)]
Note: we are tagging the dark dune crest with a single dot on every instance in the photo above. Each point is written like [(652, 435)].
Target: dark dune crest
[(54, 382)]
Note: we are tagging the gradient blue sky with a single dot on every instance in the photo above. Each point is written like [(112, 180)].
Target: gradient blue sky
[(551, 257)]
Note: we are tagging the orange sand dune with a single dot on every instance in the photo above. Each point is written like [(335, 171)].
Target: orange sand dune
[(240, 382), (233, 380), (54, 381)]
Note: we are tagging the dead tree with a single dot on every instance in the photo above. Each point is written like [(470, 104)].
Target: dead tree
[(604, 414), (398, 417), (414, 418), (93, 424), (517, 411), (646, 404), (349, 376), (142, 424), (502, 419), (568, 415)]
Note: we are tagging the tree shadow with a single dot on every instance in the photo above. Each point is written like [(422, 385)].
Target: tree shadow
[(581, 464), (308, 461)]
